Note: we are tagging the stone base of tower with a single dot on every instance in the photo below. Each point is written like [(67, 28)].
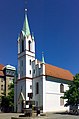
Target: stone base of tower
[(22, 90)]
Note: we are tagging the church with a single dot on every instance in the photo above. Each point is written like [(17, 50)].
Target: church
[(46, 83)]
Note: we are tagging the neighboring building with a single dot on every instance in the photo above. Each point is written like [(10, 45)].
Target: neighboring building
[(45, 81), (7, 74), (2, 80)]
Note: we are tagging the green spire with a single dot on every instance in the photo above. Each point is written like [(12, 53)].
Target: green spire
[(43, 61), (26, 28)]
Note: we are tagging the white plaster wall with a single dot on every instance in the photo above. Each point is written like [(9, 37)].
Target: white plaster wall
[(33, 46), (66, 87), (28, 90), (38, 97), (33, 68), (20, 84), (44, 92), (40, 78), (25, 85), (53, 96), (53, 103), (39, 69), (52, 86), (20, 67), (15, 97), (18, 46), (28, 66), (27, 39), (32, 43)]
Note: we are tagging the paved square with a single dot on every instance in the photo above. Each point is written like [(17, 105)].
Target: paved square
[(49, 116)]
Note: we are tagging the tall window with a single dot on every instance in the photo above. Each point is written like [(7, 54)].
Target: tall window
[(30, 86), (61, 88), (21, 63), (30, 71), (61, 101), (34, 71), (29, 45), (2, 88), (22, 45), (8, 87), (1, 79), (37, 88), (30, 62), (22, 73)]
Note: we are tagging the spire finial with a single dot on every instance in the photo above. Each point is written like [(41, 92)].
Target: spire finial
[(25, 7), (25, 11), (26, 28), (43, 58)]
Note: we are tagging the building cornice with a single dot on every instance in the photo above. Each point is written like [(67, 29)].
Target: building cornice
[(26, 50), (24, 78), (38, 76), (27, 55)]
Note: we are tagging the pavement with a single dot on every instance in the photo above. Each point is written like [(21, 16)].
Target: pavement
[(48, 116)]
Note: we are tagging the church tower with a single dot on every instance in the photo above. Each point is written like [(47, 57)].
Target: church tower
[(26, 54), (26, 51)]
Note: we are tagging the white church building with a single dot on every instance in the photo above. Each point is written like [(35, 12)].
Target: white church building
[(46, 82)]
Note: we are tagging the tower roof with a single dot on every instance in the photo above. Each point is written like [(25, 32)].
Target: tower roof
[(26, 28)]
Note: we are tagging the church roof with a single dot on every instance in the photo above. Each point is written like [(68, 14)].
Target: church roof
[(57, 72)]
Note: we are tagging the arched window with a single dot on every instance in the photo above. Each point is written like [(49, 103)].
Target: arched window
[(29, 45), (61, 88), (22, 45), (61, 101), (30, 62), (37, 88)]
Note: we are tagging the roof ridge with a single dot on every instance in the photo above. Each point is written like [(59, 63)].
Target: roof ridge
[(58, 72), (58, 67)]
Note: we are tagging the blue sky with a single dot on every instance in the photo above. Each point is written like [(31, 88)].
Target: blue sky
[(55, 24)]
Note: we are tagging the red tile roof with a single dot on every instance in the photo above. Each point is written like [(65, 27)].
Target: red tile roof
[(1, 70), (1, 66), (58, 72), (1, 73)]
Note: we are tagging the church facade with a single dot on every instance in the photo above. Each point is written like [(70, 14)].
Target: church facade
[(46, 83)]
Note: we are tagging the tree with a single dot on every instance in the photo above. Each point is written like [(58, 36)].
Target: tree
[(72, 95), (7, 102), (11, 96)]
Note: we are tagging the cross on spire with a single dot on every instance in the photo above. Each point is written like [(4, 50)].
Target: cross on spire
[(26, 28), (25, 6)]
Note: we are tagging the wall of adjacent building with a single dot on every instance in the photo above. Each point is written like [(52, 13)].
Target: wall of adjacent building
[(8, 82), (2, 85)]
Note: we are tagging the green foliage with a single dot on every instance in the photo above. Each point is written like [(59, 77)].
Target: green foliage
[(11, 95), (7, 103), (72, 95)]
